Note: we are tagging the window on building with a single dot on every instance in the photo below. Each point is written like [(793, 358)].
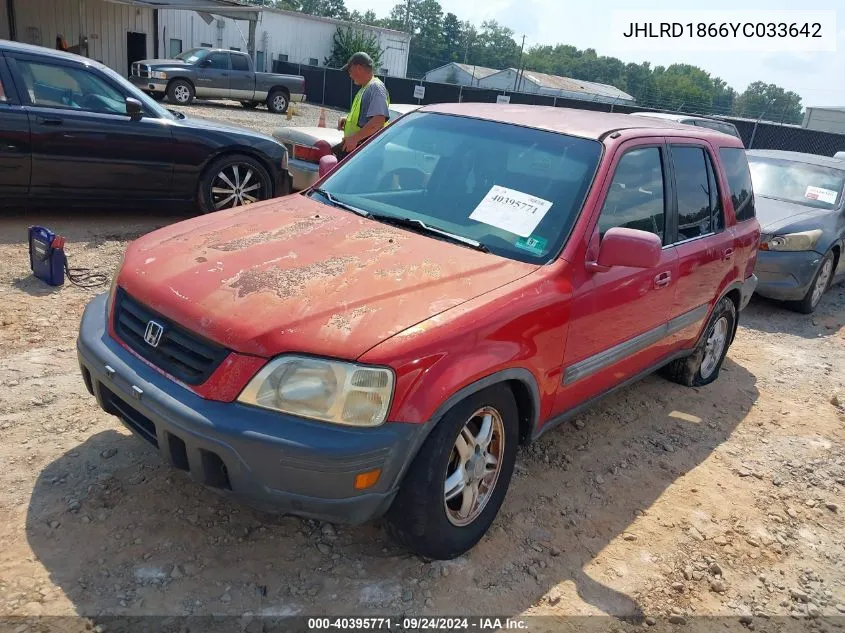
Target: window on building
[(384, 71), (314, 61), (175, 47), (635, 198), (240, 62), (259, 61), (697, 193), (234, 48), (205, 45), (282, 57)]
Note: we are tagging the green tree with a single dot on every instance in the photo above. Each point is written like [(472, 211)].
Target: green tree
[(368, 17), (770, 100), (325, 8), (452, 38), (348, 41), (495, 47), (423, 19)]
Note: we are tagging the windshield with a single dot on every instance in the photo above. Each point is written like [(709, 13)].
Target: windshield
[(192, 55), (516, 190), (801, 183), (150, 105)]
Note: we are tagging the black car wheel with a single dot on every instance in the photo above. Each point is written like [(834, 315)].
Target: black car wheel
[(249, 105), (233, 181), (278, 101), (180, 92), (703, 366), (821, 282), (458, 480)]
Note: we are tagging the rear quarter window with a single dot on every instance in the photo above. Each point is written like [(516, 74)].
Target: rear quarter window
[(739, 182)]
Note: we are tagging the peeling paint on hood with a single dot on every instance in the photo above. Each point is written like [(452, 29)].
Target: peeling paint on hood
[(295, 275)]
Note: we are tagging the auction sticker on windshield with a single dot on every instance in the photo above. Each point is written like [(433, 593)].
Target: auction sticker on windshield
[(819, 193), (513, 211)]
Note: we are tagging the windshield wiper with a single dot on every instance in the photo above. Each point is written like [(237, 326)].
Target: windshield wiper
[(420, 225), (342, 205)]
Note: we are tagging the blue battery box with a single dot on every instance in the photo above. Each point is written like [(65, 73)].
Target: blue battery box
[(47, 255)]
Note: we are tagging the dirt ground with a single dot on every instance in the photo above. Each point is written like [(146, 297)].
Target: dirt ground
[(662, 501)]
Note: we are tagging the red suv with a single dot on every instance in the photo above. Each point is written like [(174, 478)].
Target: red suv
[(382, 342)]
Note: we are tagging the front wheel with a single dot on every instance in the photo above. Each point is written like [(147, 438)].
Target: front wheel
[(233, 181), (278, 101), (458, 481), (820, 284), (180, 92), (703, 366)]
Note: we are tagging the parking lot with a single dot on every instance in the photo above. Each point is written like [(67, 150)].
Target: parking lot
[(725, 500)]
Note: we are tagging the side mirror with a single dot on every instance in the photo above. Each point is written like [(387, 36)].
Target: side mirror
[(134, 108), (627, 247), (205, 63), (327, 163)]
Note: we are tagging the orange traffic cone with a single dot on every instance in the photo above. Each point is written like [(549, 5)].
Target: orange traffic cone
[(321, 122)]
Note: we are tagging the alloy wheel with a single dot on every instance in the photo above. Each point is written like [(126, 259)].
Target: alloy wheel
[(182, 93), (714, 347), (822, 281), (237, 184)]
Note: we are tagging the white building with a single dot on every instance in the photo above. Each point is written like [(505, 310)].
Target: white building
[(553, 86), (119, 32), (825, 119), (460, 74), (293, 37)]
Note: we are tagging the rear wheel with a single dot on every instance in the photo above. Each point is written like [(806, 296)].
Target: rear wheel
[(180, 91), (278, 101), (233, 181), (820, 284), (249, 105), (703, 366), (458, 481)]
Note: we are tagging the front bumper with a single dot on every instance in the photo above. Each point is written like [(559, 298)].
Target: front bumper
[(274, 462), (148, 84), (786, 276), (304, 174)]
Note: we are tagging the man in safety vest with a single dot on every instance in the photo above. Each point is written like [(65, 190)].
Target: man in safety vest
[(369, 112)]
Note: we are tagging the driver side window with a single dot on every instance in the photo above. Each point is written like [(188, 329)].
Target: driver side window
[(55, 86), (635, 199)]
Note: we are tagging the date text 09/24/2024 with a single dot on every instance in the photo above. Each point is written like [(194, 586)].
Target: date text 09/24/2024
[(418, 623)]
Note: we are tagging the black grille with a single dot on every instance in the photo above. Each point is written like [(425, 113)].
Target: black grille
[(179, 352)]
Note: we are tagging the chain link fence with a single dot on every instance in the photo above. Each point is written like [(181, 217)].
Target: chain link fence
[(332, 87)]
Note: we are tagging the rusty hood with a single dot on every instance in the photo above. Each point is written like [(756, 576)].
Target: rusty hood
[(295, 275)]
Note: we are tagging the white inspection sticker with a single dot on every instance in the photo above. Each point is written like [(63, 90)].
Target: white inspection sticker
[(514, 211), (821, 194)]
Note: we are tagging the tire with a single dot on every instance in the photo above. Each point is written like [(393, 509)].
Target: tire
[(278, 101), (249, 105), (180, 92), (157, 96), (420, 518), (820, 284), (703, 366), (216, 194)]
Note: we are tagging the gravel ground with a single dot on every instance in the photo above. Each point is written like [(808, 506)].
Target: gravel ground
[(260, 119), (662, 501)]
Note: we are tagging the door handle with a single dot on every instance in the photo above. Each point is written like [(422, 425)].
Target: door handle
[(662, 280), (729, 252), (48, 121)]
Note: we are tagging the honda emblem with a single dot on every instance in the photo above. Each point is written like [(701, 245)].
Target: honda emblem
[(152, 335)]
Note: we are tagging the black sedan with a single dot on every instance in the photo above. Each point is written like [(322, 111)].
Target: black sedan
[(800, 200), (73, 132)]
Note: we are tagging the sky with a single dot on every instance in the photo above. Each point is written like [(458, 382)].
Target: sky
[(819, 77)]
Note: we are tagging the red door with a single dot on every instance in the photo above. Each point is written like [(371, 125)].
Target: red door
[(619, 318), (704, 244)]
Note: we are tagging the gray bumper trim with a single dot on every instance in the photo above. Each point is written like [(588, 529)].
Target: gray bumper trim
[(275, 462)]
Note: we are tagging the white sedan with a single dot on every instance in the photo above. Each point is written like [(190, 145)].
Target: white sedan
[(307, 145)]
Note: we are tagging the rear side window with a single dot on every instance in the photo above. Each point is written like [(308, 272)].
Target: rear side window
[(699, 210), (635, 198), (739, 181), (239, 62)]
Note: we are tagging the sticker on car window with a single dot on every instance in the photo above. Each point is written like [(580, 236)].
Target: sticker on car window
[(534, 245), (513, 211), (821, 194)]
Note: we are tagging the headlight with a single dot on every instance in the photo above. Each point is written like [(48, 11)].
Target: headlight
[(332, 391), (804, 241), (157, 74)]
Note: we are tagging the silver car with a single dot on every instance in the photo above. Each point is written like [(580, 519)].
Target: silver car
[(307, 145)]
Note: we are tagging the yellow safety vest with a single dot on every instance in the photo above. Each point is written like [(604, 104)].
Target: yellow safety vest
[(351, 126)]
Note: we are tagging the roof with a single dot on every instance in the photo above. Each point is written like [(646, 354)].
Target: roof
[(798, 157), (476, 72), (828, 108), (20, 47), (583, 123), (573, 85)]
